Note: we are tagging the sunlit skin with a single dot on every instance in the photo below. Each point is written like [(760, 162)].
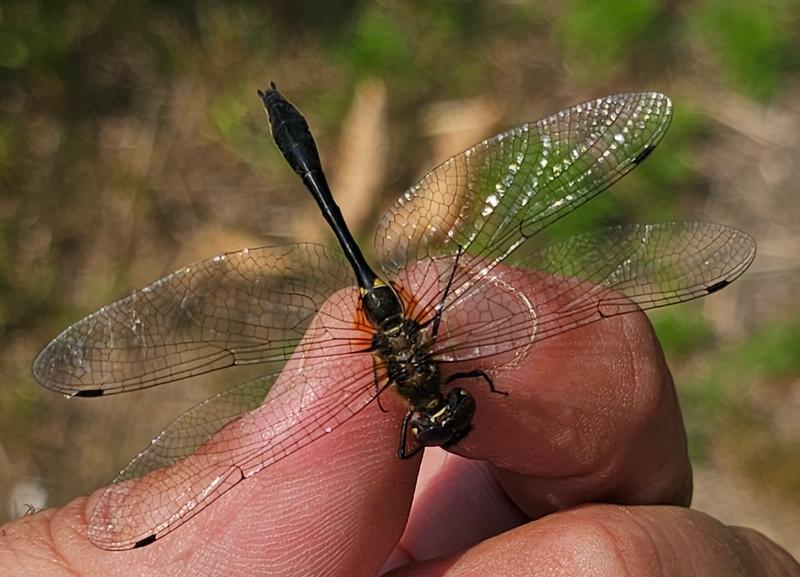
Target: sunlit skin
[(608, 430)]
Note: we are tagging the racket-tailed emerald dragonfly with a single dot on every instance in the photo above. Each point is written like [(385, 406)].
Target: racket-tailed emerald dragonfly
[(445, 295)]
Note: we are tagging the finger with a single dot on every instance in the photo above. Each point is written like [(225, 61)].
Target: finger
[(591, 415), (263, 505), (610, 540), (311, 513), (457, 503)]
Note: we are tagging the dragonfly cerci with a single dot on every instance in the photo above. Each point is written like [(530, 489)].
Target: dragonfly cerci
[(441, 295)]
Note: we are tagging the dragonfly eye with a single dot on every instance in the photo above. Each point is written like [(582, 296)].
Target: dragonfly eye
[(460, 410), (430, 435), (445, 424)]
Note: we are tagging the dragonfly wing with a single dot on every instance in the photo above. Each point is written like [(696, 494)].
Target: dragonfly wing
[(212, 447), (588, 277), (628, 268), (489, 324), (489, 199), (251, 306)]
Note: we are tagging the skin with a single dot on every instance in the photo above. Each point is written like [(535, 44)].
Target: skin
[(581, 470)]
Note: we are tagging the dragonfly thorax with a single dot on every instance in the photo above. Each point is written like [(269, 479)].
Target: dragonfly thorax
[(434, 418), (404, 347)]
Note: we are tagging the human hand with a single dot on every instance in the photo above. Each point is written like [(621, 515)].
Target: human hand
[(591, 417)]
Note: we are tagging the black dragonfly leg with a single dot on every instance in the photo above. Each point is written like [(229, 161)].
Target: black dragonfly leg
[(379, 390), (440, 307), (401, 449), (477, 373)]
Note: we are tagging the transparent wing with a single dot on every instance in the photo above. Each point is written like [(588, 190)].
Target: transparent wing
[(212, 447), (218, 443), (638, 267), (251, 306), (489, 199), (589, 277), (495, 323)]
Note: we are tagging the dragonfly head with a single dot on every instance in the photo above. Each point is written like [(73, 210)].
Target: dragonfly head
[(445, 422)]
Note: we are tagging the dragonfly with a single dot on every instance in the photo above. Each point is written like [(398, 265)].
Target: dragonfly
[(448, 250)]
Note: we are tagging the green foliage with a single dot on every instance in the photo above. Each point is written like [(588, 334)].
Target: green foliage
[(679, 331), (228, 113), (6, 146), (14, 53), (661, 189), (452, 19), (598, 35), (378, 45), (755, 43), (774, 353), (716, 396)]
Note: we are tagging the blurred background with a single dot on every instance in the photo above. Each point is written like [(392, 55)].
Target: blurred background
[(132, 143)]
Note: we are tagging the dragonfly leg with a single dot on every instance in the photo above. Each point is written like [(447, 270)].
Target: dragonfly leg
[(477, 373), (440, 307), (401, 449), (379, 390)]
